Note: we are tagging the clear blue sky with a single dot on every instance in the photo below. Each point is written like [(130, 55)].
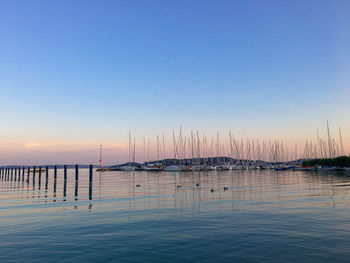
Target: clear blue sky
[(90, 71)]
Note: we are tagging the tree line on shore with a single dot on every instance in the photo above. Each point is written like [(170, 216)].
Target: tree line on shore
[(341, 161)]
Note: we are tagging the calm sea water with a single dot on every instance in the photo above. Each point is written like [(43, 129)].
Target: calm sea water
[(263, 216)]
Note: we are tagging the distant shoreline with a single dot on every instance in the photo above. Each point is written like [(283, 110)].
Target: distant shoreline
[(341, 161)]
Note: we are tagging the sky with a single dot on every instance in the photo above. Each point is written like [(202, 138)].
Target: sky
[(77, 73)]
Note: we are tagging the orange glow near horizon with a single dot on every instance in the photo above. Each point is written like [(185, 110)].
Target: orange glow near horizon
[(59, 151)]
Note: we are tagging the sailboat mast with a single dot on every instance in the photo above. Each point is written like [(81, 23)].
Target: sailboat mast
[(341, 143), (148, 150), (164, 155), (329, 141), (144, 150), (129, 147), (157, 148), (100, 155), (133, 151)]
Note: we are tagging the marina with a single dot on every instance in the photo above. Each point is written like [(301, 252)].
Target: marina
[(174, 131)]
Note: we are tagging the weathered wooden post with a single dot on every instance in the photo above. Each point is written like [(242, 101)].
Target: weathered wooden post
[(55, 173), (90, 182), (15, 174), (34, 171), (65, 182), (28, 173), (47, 177), (76, 173), (23, 171), (65, 172), (39, 176), (54, 182), (76, 181)]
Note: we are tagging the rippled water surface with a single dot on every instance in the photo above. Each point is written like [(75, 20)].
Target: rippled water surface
[(250, 216)]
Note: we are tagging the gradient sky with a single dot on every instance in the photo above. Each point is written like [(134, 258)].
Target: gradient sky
[(77, 73)]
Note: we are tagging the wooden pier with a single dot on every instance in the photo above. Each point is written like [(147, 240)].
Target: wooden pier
[(33, 173)]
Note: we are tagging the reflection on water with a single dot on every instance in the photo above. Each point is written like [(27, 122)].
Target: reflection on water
[(212, 216), (181, 190)]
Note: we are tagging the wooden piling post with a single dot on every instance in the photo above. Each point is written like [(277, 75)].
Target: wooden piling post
[(65, 182), (39, 176), (34, 171), (55, 173), (47, 173), (54, 182), (47, 177), (23, 171), (65, 172), (90, 181), (28, 173), (76, 181), (76, 173)]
